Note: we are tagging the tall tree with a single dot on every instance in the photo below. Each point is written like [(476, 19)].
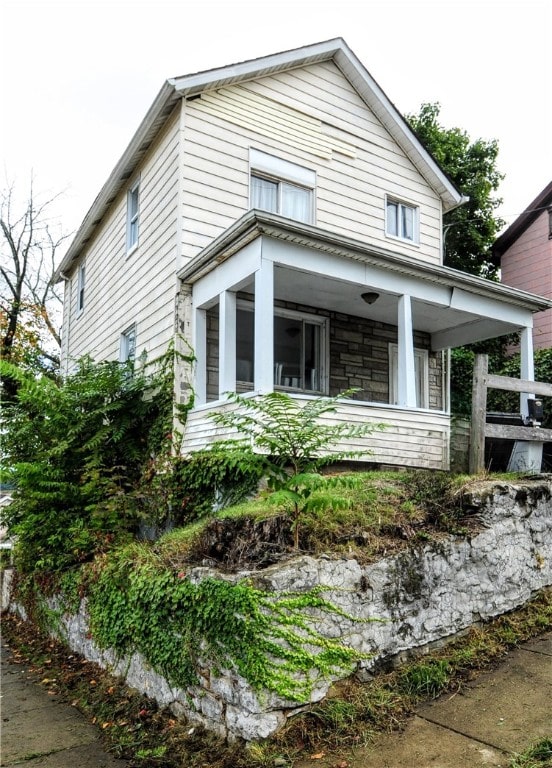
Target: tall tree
[(29, 301), (469, 230)]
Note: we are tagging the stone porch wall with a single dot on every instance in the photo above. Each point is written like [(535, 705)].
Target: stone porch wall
[(425, 594)]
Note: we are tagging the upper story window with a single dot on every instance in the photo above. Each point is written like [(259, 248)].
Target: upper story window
[(81, 285), (401, 220), (127, 352), (133, 216), (282, 187)]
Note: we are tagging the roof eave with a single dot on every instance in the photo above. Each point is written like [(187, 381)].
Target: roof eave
[(160, 110)]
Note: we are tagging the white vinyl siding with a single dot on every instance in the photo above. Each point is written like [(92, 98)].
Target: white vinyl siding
[(118, 287), (351, 187)]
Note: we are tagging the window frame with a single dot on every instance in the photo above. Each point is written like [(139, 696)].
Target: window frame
[(81, 288), (124, 356), (133, 218), (423, 371), (400, 203), (282, 173), (323, 324)]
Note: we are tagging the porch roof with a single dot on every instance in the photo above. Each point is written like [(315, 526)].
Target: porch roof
[(314, 266), (256, 223)]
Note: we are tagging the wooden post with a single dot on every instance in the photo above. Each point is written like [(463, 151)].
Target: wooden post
[(479, 414)]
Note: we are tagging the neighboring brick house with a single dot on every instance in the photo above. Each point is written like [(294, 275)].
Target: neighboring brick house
[(524, 253)]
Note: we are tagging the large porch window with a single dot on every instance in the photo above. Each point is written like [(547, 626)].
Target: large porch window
[(300, 343)]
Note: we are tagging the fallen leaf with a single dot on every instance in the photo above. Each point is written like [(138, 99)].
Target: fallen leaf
[(318, 756)]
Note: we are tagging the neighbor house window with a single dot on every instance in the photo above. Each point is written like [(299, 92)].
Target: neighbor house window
[(133, 216), (279, 186), (300, 349), (421, 373), (128, 345), (81, 285), (401, 220)]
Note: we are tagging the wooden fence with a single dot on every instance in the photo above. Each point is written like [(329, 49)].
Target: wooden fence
[(483, 380)]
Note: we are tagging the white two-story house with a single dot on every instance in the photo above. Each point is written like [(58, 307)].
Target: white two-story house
[(280, 217)]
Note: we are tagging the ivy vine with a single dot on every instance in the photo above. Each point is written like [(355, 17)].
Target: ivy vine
[(179, 625)]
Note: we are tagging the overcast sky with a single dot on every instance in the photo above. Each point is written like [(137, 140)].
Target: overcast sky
[(78, 76)]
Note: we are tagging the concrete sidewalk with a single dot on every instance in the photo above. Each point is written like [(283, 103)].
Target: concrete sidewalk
[(40, 732), (500, 713)]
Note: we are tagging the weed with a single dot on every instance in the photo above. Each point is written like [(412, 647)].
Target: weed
[(536, 756)]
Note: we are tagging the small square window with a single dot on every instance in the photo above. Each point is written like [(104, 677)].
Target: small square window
[(133, 216), (401, 220), (81, 284), (128, 345)]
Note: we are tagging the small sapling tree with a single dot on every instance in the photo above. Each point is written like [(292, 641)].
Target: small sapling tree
[(297, 445)]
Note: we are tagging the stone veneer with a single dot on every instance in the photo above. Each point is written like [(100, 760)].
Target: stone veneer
[(359, 356), (426, 593)]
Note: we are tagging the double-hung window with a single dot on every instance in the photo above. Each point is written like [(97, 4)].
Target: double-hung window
[(81, 285), (133, 216), (127, 352), (300, 349), (279, 186), (401, 220)]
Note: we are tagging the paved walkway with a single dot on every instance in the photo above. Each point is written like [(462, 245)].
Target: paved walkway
[(500, 713), (40, 732)]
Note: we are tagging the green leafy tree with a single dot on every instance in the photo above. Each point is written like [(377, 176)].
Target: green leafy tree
[(73, 452), (297, 445), (469, 230)]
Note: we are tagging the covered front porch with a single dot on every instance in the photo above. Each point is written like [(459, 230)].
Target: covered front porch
[(273, 304)]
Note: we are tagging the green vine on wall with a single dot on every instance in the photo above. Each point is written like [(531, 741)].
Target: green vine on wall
[(136, 604)]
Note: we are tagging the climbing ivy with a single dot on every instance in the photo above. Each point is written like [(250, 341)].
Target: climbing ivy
[(136, 604)]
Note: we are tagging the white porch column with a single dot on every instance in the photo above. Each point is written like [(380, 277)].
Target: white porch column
[(264, 327), (527, 366), (406, 378), (227, 342), (200, 351)]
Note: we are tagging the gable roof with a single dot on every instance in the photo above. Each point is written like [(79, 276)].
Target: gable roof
[(540, 204), (185, 86)]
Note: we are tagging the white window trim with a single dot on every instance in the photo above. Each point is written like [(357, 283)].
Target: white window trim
[(276, 169), (423, 356), (81, 288), (131, 247), (322, 322), (123, 344), (416, 223)]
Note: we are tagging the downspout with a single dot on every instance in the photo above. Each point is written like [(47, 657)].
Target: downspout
[(66, 332)]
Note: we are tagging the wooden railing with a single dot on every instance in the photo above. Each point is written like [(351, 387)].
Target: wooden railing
[(482, 380)]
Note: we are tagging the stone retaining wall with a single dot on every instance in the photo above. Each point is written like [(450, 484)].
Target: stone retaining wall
[(424, 594)]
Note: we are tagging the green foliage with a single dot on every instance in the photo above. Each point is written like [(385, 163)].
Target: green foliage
[(538, 755), (470, 229), (425, 679), (461, 375), (296, 443), (73, 450), (137, 604)]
